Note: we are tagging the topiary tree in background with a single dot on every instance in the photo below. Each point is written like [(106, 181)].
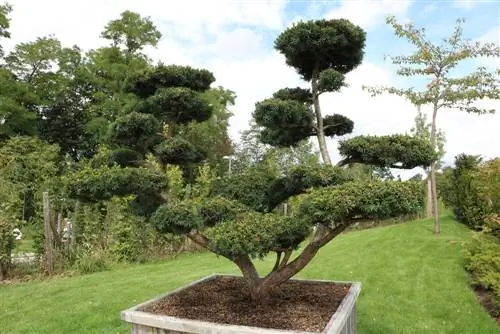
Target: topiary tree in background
[(322, 52), (168, 96), (238, 218)]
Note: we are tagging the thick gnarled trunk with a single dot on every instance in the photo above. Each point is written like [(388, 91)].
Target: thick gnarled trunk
[(260, 287)]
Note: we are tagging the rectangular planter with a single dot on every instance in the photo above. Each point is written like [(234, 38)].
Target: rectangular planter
[(343, 321)]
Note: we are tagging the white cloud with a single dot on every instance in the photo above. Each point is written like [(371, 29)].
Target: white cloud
[(238, 44), (470, 4), (369, 13), (253, 80)]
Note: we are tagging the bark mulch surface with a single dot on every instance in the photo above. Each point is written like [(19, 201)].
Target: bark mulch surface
[(487, 300), (295, 305)]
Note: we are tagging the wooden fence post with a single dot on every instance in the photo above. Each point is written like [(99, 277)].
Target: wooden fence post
[(49, 256)]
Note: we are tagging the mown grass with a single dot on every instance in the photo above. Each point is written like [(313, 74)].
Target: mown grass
[(412, 282)]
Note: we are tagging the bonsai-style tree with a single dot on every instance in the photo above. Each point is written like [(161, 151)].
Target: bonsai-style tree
[(322, 52), (167, 96), (237, 220)]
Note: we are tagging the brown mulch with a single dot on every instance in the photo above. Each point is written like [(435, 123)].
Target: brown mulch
[(485, 297), (294, 305)]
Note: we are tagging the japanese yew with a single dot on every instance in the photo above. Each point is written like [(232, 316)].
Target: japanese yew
[(238, 218)]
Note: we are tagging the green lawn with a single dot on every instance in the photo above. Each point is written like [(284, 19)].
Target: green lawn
[(412, 282)]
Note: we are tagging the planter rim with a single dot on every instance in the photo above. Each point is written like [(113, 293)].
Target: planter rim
[(134, 315)]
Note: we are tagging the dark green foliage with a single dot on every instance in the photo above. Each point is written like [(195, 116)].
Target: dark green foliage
[(177, 151), (92, 185), (163, 76), (144, 205), (5, 10), (395, 151), (249, 188), (179, 105), (257, 234), (298, 94), (217, 209), (7, 245), (15, 98), (330, 81), (337, 125), (286, 122), (123, 157), (344, 204), (314, 46), (482, 260), (471, 189), (301, 179), (135, 131), (65, 124), (175, 218)]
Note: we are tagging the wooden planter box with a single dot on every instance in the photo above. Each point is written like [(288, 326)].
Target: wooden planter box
[(343, 321)]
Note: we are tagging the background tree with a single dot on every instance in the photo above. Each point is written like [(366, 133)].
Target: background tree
[(322, 52), (5, 10), (422, 129), (131, 32), (250, 152), (211, 136), (445, 89), (16, 102)]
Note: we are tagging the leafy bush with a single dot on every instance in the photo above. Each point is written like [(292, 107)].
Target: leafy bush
[(6, 247), (471, 189), (91, 260), (482, 260)]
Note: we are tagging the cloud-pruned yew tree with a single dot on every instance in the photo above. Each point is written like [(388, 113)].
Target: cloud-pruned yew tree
[(167, 96), (238, 219)]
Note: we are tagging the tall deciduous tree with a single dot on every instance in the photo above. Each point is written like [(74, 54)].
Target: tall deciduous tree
[(322, 52), (131, 32), (445, 89)]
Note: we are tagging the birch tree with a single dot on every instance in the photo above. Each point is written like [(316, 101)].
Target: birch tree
[(445, 89)]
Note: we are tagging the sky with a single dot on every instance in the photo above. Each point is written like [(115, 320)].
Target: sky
[(234, 39)]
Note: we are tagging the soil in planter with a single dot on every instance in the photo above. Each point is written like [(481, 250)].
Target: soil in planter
[(295, 305)]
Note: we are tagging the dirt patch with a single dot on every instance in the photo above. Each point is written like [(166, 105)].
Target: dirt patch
[(294, 305), (486, 299)]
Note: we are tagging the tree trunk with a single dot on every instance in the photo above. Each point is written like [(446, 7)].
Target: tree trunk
[(435, 209), (429, 209), (257, 291), (170, 130), (320, 133)]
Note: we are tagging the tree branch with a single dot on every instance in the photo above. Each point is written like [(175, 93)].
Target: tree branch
[(277, 263), (321, 237), (286, 258)]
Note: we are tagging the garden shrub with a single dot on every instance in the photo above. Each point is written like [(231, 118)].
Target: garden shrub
[(6, 247), (91, 260), (482, 260)]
